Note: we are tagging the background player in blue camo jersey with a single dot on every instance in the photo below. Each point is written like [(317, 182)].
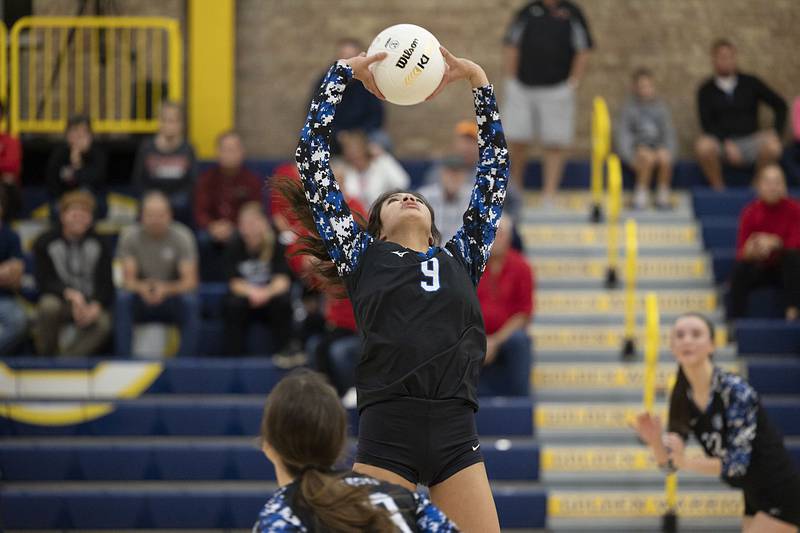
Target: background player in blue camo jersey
[(415, 303)]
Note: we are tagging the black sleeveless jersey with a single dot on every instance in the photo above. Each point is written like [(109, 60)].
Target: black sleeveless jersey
[(418, 314), (735, 428)]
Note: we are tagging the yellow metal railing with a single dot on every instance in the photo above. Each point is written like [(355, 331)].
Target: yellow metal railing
[(601, 147), (631, 266), (115, 69), (614, 206)]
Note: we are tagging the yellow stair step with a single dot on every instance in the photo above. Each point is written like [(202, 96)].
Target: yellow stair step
[(619, 504)]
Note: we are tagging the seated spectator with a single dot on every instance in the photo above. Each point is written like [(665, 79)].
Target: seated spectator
[(10, 167), (728, 109), (646, 141), (13, 322), (768, 245), (76, 164), (259, 283), (449, 197), (372, 170), (464, 146), (166, 162), (73, 275), (791, 156), (506, 296), (159, 265), (359, 109), (221, 191), (339, 349)]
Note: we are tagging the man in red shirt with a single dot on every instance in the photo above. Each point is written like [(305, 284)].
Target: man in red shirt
[(768, 245), (506, 296), (220, 193), (10, 166)]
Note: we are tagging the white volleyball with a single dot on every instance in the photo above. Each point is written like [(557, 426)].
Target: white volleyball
[(413, 67)]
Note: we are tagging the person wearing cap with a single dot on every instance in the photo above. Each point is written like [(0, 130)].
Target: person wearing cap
[(73, 276)]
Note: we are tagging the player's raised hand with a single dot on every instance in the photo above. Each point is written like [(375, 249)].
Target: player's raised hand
[(361, 71)]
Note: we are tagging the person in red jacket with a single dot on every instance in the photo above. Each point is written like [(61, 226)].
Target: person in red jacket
[(768, 245), (506, 296), (10, 167)]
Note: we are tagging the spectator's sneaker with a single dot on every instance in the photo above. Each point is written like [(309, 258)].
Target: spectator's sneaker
[(664, 199), (641, 198), (350, 398), (289, 359)]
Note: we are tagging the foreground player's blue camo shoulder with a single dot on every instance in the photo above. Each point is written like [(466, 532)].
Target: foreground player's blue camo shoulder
[(343, 237), (474, 239), (430, 518), (277, 516)]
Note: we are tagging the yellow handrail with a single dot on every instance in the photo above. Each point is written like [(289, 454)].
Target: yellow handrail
[(109, 78), (614, 206), (631, 253), (652, 339), (670, 520), (601, 146)]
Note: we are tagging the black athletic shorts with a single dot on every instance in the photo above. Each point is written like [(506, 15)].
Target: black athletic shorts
[(424, 441), (781, 501)]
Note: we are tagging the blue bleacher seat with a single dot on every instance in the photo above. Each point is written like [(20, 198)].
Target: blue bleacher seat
[(774, 376), (24, 510), (720, 232), (758, 336), (112, 463), (100, 510)]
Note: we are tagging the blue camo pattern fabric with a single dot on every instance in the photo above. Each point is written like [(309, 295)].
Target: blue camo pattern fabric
[(344, 238), (741, 402), (277, 515)]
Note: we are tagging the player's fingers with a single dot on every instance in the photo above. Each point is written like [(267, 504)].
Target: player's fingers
[(376, 57)]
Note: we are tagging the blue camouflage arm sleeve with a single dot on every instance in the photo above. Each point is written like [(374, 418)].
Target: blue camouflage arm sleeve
[(430, 518), (344, 239), (474, 239), (741, 416)]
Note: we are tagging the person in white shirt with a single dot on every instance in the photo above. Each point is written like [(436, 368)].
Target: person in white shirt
[(372, 171)]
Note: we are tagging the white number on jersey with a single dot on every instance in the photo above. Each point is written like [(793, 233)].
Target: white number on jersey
[(386, 501), (430, 269)]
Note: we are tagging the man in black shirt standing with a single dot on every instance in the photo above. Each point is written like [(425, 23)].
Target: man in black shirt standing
[(728, 107), (546, 49)]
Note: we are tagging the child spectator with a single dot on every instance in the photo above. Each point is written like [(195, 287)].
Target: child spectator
[(76, 164), (646, 140), (506, 296), (73, 275), (166, 162), (221, 191), (13, 323), (259, 283), (768, 245), (450, 195), (159, 263), (728, 107), (10, 168)]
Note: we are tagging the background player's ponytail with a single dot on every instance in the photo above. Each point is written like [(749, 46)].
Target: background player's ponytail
[(679, 406), (305, 424), (311, 243)]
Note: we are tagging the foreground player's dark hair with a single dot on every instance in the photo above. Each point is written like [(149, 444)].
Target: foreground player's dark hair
[(679, 407), (305, 423), (314, 246)]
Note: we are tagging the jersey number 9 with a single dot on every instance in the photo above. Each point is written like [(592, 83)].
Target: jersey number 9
[(430, 269)]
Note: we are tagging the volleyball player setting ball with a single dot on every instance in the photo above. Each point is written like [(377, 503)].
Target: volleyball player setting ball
[(740, 443), (414, 298)]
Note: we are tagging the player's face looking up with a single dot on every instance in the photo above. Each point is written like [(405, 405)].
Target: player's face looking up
[(691, 341), (399, 213)]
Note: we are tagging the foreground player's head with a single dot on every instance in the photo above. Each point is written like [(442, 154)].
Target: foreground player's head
[(396, 212), (303, 433), (304, 423), (692, 344)]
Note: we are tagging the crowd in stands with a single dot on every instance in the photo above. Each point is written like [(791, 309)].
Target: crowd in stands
[(225, 225)]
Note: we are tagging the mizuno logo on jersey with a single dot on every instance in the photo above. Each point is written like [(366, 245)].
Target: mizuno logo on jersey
[(400, 254)]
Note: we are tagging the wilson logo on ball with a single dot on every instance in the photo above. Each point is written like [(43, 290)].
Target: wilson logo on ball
[(403, 60)]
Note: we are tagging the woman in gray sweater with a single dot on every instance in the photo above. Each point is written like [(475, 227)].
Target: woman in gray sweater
[(645, 140)]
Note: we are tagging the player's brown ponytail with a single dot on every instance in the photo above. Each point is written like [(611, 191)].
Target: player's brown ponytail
[(311, 243), (679, 407), (306, 425)]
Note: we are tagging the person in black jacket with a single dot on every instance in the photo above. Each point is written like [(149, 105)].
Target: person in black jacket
[(728, 107), (73, 275), (77, 163)]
